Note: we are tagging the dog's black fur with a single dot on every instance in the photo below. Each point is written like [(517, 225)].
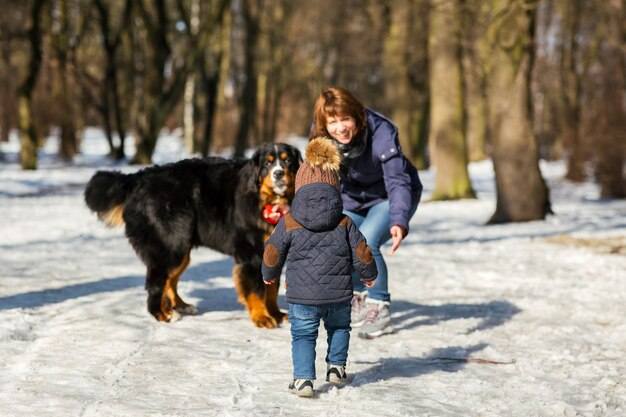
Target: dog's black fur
[(214, 202)]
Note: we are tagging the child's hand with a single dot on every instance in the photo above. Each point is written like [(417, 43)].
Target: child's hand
[(369, 284), (270, 281)]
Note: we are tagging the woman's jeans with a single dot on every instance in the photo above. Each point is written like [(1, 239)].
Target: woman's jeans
[(305, 321), (374, 225)]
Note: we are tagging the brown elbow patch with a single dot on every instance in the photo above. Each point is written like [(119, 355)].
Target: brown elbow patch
[(344, 222), (271, 256), (364, 253), (291, 223)]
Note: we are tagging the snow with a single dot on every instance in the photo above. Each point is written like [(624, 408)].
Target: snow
[(508, 320)]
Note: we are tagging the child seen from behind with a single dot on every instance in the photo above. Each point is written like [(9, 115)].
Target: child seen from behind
[(320, 247)]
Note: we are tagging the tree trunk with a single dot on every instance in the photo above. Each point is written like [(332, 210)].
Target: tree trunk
[(475, 78), (7, 87), (209, 72), (111, 105), (611, 149), (275, 24), (68, 146), (570, 85), (247, 99), (448, 117), (210, 83), (522, 194), (189, 96), (28, 136), (405, 65)]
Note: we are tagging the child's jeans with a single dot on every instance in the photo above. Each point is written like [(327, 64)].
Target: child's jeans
[(305, 321)]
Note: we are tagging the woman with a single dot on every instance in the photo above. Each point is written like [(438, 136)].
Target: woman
[(380, 189)]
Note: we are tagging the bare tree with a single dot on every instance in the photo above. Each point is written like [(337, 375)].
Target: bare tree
[(273, 45), (611, 117), (448, 116), (405, 65), (111, 39), (247, 100), (474, 28), (522, 193), (69, 22), (571, 90), (13, 17), (29, 139)]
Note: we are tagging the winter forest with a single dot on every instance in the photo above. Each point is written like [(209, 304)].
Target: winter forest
[(509, 293), (512, 80)]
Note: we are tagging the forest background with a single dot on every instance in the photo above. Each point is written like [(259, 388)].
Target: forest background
[(512, 80)]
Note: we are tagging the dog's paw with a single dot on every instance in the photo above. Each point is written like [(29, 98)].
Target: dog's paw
[(174, 316), (187, 310), (167, 316), (280, 317), (264, 320)]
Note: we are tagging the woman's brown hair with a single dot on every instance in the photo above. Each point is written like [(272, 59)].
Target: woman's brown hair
[(337, 101)]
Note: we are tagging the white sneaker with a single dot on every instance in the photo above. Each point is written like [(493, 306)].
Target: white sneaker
[(377, 320), (336, 374), (301, 387), (357, 316)]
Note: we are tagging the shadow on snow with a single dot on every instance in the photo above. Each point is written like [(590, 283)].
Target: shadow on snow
[(216, 299), (449, 359)]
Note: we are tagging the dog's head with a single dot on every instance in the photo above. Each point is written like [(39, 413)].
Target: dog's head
[(277, 164)]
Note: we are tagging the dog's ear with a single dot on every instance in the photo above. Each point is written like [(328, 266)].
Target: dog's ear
[(252, 171)]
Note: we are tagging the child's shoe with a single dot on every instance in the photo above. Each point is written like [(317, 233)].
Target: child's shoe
[(336, 374), (301, 387)]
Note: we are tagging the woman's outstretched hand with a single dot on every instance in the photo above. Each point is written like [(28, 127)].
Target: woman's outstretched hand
[(397, 234)]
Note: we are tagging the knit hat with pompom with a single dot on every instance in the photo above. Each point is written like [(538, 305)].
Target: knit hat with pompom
[(322, 164)]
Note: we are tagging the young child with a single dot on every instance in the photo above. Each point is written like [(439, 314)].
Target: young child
[(321, 246)]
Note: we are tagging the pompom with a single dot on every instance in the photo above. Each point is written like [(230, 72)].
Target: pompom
[(322, 153)]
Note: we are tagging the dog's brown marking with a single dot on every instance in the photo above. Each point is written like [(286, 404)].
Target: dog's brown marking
[(113, 217), (170, 299), (271, 302), (257, 308)]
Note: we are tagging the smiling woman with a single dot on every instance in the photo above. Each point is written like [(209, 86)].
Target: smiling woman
[(380, 190)]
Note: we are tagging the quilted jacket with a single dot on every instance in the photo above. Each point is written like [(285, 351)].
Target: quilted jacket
[(320, 247), (381, 172)]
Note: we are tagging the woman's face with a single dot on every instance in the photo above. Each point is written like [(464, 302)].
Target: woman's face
[(341, 128)]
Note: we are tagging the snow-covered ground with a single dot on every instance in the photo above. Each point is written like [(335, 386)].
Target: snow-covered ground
[(510, 320)]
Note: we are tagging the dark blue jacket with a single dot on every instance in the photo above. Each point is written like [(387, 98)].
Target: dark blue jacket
[(320, 246), (381, 172)]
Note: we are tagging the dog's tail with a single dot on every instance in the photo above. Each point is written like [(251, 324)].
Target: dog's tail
[(105, 195)]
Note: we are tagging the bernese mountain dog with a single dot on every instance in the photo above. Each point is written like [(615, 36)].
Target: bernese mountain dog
[(230, 206)]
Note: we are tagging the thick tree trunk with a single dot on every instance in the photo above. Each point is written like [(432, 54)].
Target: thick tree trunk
[(522, 194), (448, 116)]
